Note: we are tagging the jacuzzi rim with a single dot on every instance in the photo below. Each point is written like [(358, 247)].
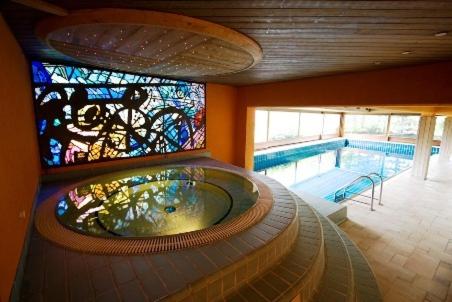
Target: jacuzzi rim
[(76, 230), (48, 225), (89, 180)]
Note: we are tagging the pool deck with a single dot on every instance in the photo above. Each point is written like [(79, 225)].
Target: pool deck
[(408, 240), (337, 212)]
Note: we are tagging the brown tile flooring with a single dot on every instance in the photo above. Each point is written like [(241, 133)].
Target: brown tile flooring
[(408, 241)]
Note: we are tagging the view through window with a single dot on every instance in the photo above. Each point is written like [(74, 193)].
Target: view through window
[(439, 127), (365, 124), (404, 126), (277, 125)]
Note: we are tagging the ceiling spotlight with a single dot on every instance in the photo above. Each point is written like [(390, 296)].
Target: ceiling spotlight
[(407, 52), (441, 34)]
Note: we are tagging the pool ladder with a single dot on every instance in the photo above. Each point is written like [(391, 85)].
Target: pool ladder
[(342, 196)]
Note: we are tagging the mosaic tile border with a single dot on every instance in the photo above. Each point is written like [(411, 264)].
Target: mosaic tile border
[(401, 149)]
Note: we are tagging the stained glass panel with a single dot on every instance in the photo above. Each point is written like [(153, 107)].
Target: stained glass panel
[(88, 115)]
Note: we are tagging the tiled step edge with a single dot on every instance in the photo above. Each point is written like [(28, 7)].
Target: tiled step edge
[(298, 274), (259, 249), (337, 283), (366, 286)]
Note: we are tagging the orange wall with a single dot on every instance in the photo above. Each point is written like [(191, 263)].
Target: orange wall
[(429, 84), (18, 156), (221, 121)]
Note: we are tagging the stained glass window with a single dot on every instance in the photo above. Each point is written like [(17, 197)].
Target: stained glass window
[(88, 115)]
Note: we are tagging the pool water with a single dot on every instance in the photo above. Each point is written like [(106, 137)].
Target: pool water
[(323, 174), (155, 202)]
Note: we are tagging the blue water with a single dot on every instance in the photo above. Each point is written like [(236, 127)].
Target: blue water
[(324, 173)]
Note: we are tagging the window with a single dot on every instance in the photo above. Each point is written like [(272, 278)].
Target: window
[(273, 126), (331, 124), (89, 114), (311, 124), (365, 124), (439, 127), (260, 126), (404, 126), (283, 125)]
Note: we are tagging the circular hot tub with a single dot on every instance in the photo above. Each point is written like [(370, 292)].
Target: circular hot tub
[(151, 209)]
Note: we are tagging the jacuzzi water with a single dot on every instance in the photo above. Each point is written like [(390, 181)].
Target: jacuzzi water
[(155, 202)]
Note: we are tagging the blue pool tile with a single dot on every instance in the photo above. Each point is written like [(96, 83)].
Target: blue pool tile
[(398, 157)]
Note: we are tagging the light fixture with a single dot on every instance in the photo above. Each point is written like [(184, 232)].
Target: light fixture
[(441, 34), (408, 52), (191, 39)]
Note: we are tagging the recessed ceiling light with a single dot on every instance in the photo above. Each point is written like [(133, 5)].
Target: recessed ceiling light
[(441, 34), (407, 52)]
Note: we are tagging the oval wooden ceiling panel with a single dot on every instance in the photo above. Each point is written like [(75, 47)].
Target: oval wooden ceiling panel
[(150, 42)]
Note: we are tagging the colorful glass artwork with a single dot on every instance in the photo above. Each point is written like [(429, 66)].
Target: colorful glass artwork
[(87, 115)]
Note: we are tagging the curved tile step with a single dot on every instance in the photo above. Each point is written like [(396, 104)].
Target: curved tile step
[(337, 283), (324, 265), (357, 282), (299, 272), (366, 286)]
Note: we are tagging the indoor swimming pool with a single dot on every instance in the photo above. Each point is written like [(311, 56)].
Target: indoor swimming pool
[(321, 169)]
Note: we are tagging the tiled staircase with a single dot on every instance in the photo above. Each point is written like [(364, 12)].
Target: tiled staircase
[(323, 265)]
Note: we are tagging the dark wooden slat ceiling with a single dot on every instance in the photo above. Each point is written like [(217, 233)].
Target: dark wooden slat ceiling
[(299, 38)]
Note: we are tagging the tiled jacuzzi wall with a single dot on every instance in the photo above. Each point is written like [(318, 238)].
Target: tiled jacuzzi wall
[(204, 272)]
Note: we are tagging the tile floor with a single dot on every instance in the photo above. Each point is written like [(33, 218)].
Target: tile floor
[(408, 240)]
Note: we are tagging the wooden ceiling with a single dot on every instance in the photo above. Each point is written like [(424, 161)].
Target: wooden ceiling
[(299, 38)]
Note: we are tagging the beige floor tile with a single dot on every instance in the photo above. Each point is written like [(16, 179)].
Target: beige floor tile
[(399, 259), (405, 291), (422, 264), (408, 241), (443, 273), (435, 288), (395, 296), (449, 295)]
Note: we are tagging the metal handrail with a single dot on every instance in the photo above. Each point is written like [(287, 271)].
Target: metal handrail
[(381, 186), (372, 197)]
